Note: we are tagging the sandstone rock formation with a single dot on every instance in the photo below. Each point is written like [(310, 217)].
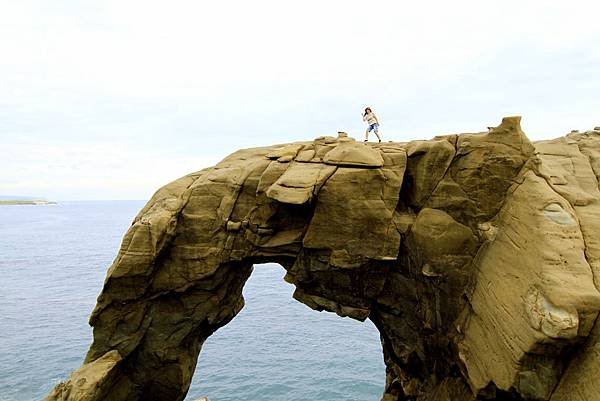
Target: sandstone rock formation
[(477, 256)]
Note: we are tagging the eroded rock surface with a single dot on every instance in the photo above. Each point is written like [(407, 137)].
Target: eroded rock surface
[(477, 256)]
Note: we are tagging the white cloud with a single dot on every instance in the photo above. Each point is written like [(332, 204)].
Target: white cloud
[(171, 86), (90, 171)]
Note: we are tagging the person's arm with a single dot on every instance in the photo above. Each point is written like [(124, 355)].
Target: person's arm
[(376, 119), (364, 117)]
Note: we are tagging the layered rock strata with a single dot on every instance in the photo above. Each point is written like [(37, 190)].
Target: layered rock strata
[(477, 256)]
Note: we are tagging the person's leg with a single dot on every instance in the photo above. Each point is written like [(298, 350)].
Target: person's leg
[(376, 131), (367, 135)]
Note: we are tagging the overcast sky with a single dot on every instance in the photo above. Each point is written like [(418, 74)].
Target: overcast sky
[(110, 99)]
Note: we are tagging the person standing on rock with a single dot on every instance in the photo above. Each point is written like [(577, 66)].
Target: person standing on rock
[(373, 122)]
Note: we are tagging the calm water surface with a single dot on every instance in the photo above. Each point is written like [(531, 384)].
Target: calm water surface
[(52, 264)]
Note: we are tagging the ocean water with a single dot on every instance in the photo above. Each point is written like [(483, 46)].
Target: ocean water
[(52, 263)]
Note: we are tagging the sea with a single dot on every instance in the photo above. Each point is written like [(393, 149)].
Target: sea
[(53, 260)]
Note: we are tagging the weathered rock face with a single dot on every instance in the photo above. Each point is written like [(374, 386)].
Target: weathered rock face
[(477, 256)]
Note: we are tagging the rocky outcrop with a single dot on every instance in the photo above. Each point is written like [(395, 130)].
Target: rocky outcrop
[(477, 256)]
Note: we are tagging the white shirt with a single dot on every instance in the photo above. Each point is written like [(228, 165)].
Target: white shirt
[(370, 118)]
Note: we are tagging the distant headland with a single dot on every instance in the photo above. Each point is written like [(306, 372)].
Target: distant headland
[(24, 200)]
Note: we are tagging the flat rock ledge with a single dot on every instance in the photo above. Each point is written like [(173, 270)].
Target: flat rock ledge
[(477, 256)]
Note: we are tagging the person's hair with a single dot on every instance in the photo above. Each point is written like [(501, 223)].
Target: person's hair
[(367, 110)]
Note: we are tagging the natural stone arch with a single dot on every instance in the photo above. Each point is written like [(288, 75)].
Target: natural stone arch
[(440, 243)]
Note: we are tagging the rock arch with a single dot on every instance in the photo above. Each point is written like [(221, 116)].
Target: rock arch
[(475, 255)]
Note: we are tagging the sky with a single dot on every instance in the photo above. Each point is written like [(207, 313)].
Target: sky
[(113, 99)]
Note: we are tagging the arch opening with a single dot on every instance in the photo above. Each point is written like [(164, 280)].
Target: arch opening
[(277, 349)]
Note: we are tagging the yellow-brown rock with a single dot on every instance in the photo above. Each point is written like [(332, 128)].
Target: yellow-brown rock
[(477, 256)]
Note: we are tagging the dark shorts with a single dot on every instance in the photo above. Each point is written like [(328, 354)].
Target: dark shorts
[(373, 127)]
